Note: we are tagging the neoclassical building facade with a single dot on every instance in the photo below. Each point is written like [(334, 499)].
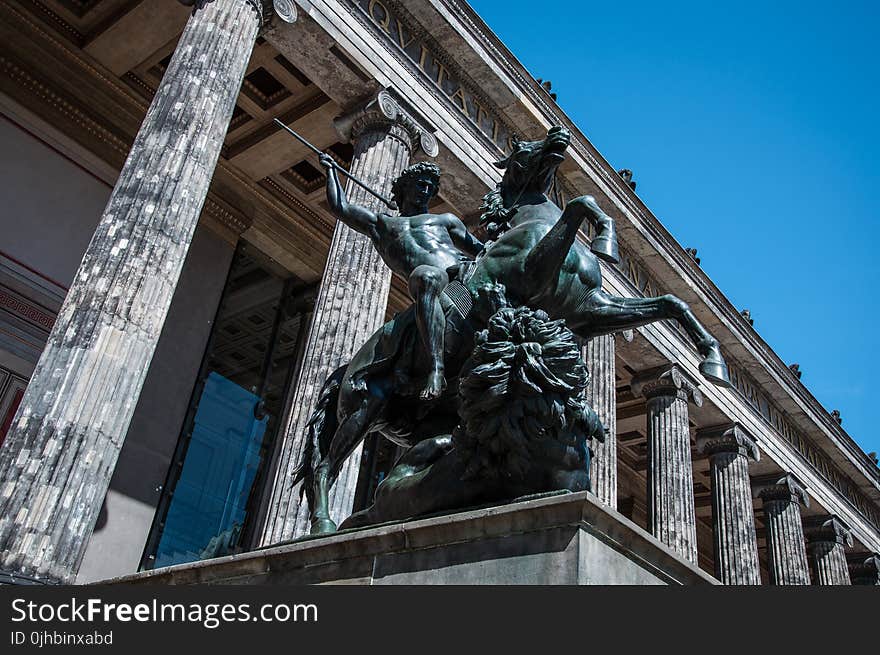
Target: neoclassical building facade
[(174, 291)]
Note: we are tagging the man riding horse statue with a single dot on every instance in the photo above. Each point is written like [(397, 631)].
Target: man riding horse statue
[(532, 263)]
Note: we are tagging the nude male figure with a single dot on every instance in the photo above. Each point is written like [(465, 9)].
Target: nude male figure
[(417, 244)]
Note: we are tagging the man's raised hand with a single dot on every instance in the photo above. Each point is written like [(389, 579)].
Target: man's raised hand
[(326, 161)]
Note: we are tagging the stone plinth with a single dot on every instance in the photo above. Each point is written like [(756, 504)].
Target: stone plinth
[(559, 539)]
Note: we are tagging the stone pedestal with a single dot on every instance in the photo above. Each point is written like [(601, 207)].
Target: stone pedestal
[(671, 514), (56, 462), (558, 539), (786, 551), (598, 354), (350, 306), (733, 517), (826, 537), (864, 568)]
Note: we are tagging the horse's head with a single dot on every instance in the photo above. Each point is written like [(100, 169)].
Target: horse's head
[(528, 171)]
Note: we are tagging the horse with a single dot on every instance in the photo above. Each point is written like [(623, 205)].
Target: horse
[(532, 259)]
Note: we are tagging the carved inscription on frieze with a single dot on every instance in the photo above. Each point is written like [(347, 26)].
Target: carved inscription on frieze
[(414, 45)]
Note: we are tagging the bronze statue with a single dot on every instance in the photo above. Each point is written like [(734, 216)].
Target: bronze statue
[(531, 439), (425, 248), (534, 262)]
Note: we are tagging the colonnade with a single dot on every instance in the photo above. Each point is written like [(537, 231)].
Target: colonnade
[(59, 455)]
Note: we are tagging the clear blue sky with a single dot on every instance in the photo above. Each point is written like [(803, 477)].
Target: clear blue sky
[(753, 132)]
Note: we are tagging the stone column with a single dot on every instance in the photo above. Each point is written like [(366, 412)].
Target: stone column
[(671, 514), (350, 306), (826, 536), (598, 353), (733, 526), (56, 463), (864, 568), (786, 552)]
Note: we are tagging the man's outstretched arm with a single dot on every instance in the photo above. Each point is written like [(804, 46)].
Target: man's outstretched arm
[(356, 217), (463, 239)]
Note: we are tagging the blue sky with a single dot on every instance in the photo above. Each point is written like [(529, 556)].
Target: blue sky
[(752, 129)]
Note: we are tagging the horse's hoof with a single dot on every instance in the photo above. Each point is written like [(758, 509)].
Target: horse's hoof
[(714, 369), (322, 526)]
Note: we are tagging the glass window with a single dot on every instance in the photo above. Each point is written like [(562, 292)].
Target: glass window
[(213, 493)]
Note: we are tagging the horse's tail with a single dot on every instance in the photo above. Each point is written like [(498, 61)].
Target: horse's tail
[(319, 432)]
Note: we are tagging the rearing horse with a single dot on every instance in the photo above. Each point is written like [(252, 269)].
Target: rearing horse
[(537, 258), (534, 260)]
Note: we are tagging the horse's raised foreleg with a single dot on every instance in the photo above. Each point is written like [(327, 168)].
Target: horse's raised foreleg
[(602, 313), (351, 432), (544, 261)]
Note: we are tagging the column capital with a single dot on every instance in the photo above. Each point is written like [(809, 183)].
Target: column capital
[(667, 380), (864, 568), (256, 5), (388, 112), (827, 529), (786, 488), (727, 438)]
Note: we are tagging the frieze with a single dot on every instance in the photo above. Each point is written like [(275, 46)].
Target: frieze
[(16, 304), (443, 73), (750, 392)]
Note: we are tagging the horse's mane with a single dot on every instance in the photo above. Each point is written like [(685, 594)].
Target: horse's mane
[(523, 399), (495, 218)]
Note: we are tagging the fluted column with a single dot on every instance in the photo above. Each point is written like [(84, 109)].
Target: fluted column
[(671, 514), (598, 354), (733, 516), (864, 568), (350, 305), (786, 551), (56, 462), (826, 537)]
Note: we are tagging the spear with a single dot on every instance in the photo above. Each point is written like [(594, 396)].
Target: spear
[(391, 204)]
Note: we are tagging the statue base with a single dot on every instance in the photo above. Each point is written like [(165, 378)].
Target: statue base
[(559, 539)]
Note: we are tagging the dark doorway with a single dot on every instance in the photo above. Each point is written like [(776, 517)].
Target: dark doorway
[(212, 496)]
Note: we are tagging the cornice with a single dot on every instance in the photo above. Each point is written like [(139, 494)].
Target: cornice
[(423, 79)]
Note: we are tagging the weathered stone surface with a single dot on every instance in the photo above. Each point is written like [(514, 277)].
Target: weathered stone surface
[(560, 539), (733, 527), (671, 514), (864, 568), (56, 463), (826, 537), (349, 308), (602, 397), (786, 551)]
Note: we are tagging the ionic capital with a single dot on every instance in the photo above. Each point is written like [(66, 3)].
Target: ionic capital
[(864, 568), (787, 489), (388, 113), (729, 438), (668, 380), (827, 529)]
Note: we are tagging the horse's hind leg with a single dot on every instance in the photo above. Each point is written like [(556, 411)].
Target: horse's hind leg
[(348, 435), (603, 313)]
